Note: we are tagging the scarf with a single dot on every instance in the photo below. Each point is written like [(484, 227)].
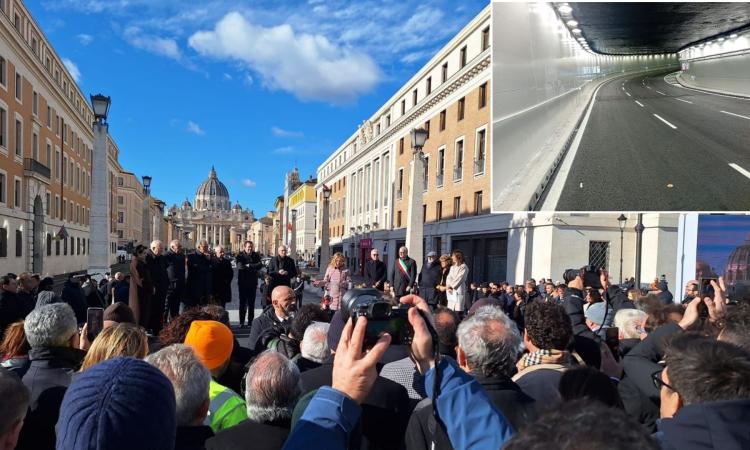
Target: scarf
[(404, 271), (544, 357)]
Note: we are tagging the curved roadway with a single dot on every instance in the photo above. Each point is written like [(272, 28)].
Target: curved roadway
[(652, 145)]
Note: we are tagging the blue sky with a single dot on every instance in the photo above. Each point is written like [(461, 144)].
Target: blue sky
[(718, 236), (252, 87)]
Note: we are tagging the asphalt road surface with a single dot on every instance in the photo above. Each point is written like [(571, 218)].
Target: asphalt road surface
[(652, 145)]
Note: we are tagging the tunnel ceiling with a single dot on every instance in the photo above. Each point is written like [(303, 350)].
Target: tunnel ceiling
[(641, 28)]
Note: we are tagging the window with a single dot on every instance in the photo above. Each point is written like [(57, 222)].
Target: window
[(58, 163), (19, 243), (398, 219), (461, 108), (35, 104), (429, 85), (482, 95), (388, 120), (120, 200), (439, 211), (120, 181), (17, 22), (3, 72), (599, 254), (440, 166), (442, 120), (2, 188), (478, 203), (462, 57), (479, 156), (456, 207), (120, 234), (424, 213), (414, 97), (19, 138), (57, 247), (377, 130), (485, 38), (3, 242), (458, 165), (401, 146), (427, 128), (49, 244), (49, 117), (400, 191), (403, 107), (426, 174), (48, 202), (18, 86), (17, 194), (35, 146), (3, 128), (444, 73)]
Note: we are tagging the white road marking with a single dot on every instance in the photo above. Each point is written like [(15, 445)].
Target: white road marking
[(648, 87), (623, 88), (679, 99), (662, 119), (736, 115), (639, 103), (628, 94), (739, 169), (659, 92)]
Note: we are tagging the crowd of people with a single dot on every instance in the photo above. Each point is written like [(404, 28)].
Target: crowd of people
[(579, 364)]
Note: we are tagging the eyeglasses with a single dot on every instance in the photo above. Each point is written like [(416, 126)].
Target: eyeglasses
[(658, 382)]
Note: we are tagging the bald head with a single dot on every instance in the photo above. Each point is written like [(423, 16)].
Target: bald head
[(175, 245), (283, 301)]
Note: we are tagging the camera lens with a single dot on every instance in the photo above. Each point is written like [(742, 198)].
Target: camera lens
[(380, 311)]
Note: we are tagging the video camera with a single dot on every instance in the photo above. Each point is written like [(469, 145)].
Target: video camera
[(589, 274), (382, 317)]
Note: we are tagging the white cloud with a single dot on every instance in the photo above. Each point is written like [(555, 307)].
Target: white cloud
[(248, 80), (73, 69), (309, 66), (227, 77), (194, 128), (154, 44), (284, 150), (280, 132), (247, 182), (85, 39)]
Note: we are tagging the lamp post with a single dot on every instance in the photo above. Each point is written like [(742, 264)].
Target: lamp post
[(621, 221), (99, 250), (325, 232), (146, 220), (293, 243), (415, 220), (638, 244)]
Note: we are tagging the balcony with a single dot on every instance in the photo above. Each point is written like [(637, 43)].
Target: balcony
[(479, 166), (33, 168), (458, 173), (439, 180)]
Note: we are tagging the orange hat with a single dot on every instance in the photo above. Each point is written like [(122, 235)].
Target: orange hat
[(212, 342)]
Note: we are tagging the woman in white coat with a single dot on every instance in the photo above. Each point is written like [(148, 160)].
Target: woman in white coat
[(455, 282)]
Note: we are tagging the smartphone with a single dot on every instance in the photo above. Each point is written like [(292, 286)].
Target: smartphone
[(706, 289), (94, 322)]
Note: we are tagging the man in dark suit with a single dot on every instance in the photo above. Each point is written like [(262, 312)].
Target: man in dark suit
[(222, 274), (248, 264), (404, 274), (376, 273), (281, 269), (157, 267), (199, 276), (429, 278), (175, 259)]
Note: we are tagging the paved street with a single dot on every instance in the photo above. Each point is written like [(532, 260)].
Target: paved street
[(651, 144)]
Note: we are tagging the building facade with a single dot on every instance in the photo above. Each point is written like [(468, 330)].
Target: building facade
[(261, 233), (369, 174), (212, 217), (302, 211)]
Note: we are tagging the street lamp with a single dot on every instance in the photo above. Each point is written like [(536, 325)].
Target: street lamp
[(99, 226), (293, 246), (100, 104), (415, 221), (325, 232), (638, 244), (146, 184), (146, 209), (621, 221)]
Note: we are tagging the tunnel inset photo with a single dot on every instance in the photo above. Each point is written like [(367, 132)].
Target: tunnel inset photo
[(621, 106)]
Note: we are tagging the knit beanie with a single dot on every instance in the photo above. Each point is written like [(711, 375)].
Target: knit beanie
[(211, 341), (121, 403)]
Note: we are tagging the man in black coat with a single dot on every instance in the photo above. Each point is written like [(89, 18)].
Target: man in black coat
[(72, 294), (248, 265), (281, 269), (222, 274), (157, 267), (429, 278), (376, 273), (199, 276), (11, 307), (404, 274), (662, 291), (175, 259), (283, 306), (52, 332)]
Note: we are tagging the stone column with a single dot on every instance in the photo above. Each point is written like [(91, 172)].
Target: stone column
[(415, 219), (99, 219), (325, 237)]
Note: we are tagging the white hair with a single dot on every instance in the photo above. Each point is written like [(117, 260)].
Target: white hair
[(50, 326), (189, 377), (628, 320), (156, 242), (218, 247), (315, 342), (491, 342), (272, 387)]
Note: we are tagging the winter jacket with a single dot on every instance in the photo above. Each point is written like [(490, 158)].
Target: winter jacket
[(192, 437), (266, 320), (222, 274), (573, 301), (428, 280), (401, 282), (248, 265), (226, 409), (375, 273), (337, 282), (198, 279), (73, 295), (278, 263), (507, 396), (456, 279), (250, 434), (157, 266), (11, 310), (721, 425), (666, 297), (175, 269), (47, 379)]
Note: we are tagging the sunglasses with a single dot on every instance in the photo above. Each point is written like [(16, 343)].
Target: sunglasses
[(658, 382)]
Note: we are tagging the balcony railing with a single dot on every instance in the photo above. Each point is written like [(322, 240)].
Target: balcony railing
[(439, 180), (458, 173), (35, 167), (478, 166)]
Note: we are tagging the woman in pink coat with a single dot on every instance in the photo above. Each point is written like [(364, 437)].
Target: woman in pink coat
[(337, 279)]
